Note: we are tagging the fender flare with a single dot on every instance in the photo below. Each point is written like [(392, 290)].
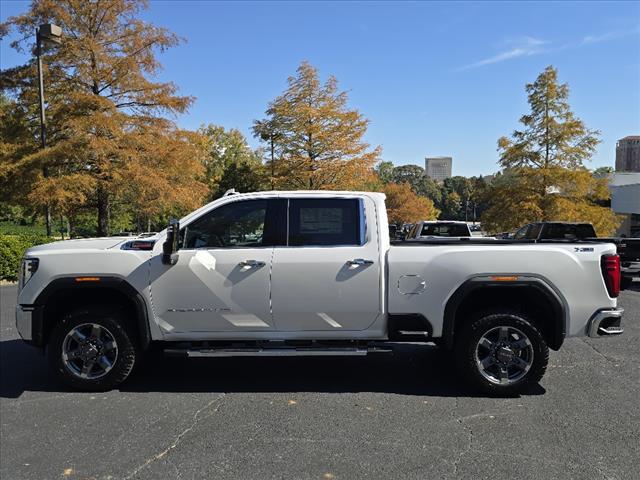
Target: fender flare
[(105, 283), (540, 284)]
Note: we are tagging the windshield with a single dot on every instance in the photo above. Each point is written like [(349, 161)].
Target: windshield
[(445, 230)]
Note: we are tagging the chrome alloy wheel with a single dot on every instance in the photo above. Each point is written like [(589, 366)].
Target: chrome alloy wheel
[(89, 351), (504, 355)]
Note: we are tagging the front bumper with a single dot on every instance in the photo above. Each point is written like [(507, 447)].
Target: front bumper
[(29, 323), (24, 315), (606, 322)]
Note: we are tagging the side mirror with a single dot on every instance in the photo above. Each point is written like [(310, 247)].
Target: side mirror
[(170, 246)]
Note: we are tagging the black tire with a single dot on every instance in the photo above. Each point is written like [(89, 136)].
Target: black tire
[(467, 349), (625, 283), (114, 324)]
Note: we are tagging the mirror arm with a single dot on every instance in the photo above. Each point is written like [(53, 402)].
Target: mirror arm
[(170, 246)]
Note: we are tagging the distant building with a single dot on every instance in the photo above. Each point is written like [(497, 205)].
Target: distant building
[(628, 154), (438, 168), (625, 201)]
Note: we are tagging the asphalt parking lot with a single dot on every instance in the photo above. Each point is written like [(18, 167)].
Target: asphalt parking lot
[(400, 416)]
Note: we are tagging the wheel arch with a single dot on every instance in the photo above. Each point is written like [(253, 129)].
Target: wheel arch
[(66, 293), (527, 293)]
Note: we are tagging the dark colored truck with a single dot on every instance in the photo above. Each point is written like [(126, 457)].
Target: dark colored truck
[(628, 248)]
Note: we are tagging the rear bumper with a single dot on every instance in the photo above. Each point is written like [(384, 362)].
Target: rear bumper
[(606, 322)]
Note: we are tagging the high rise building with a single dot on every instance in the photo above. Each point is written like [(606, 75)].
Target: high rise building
[(438, 168), (628, 154)]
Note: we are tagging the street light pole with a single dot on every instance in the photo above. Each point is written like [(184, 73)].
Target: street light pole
[(43, 126), (51, 33)]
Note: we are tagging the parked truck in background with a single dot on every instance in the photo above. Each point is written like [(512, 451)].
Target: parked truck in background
[(439, 229), (628, 248), (311, 273)]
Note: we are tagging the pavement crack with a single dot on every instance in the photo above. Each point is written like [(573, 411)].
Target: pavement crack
[(606, 357), (469, 447), (197, 417)]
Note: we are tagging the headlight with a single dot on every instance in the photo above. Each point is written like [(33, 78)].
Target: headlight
[(29, 267)]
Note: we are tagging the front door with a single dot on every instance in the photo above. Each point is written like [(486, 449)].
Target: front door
[(328, 276), (221, 280)]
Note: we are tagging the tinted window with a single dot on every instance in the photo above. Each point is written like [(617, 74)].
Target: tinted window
[(241, 224), (325, 222), (534, 231), (570, 231), (520, 234), (445, 230)]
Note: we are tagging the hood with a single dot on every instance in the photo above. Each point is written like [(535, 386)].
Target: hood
[(79, 244)]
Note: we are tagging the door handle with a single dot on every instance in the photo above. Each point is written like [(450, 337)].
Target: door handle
[(360, 261), (251, 263)]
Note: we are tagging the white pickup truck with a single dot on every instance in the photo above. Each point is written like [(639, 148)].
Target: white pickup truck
[(311, 273)]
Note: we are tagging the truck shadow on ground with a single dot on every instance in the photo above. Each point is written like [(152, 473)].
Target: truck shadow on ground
[(412, 370)]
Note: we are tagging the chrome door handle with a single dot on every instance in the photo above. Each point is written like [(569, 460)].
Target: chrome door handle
[(360, 261), (251, 263)]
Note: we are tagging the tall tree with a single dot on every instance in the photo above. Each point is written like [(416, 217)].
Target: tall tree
[(16, 142), (320, 140), (268, 131), (552, 136), (107, 135), (544, 165)]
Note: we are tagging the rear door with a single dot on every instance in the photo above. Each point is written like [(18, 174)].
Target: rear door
[(327, 278)]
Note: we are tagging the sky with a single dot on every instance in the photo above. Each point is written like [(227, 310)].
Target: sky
[(433, 78)]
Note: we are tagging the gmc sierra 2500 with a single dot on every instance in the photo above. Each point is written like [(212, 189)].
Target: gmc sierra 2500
[(311, 273)]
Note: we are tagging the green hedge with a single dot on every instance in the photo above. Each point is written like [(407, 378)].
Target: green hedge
[(12, 248)]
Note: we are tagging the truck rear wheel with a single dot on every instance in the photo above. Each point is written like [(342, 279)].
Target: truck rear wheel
[(501, 352), (90, 349)]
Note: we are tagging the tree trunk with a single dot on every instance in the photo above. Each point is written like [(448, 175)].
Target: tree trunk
[(71, 221), (103, 212)]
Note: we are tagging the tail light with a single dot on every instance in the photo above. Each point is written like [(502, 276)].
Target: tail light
[(611, 274)]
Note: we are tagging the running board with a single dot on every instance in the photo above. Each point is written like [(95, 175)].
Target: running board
[(274, 352)]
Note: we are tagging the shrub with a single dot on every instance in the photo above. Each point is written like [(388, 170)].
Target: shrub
[(12, 248)]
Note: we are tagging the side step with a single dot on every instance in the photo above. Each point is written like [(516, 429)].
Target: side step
[(274, 352)]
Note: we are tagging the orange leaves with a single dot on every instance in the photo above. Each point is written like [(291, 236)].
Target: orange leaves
[(108, 142), (405, 206), (317, 140), (519, 196), (63, 193)]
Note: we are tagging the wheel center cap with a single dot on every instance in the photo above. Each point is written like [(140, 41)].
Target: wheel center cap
[(88, 351), (504, 354)]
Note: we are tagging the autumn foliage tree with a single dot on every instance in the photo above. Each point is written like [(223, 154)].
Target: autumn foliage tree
[(317, 140), (543, 164), (405, 206), (108, 139)]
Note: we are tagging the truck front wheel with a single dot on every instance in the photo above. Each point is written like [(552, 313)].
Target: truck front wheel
[(501, 352), (90, 349)]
